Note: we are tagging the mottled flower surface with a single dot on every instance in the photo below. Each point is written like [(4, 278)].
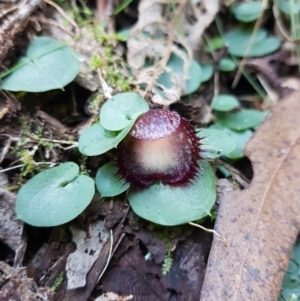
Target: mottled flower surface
[(162, 146)]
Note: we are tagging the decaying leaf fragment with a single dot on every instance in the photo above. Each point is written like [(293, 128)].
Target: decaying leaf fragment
[(260, 223), (163, 30), (89, 246), (149, 49)]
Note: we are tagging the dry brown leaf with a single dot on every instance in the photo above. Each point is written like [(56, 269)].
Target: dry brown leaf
[(152, 39), (260, 223), (160, 31), (89, 245)]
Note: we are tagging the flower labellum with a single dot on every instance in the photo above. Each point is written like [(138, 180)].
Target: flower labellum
[(162, 146)]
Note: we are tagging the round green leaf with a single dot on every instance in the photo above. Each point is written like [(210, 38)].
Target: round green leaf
[(207, 72), (238, 40), (196, 77), (176, 63), (288, 7), (242, 120), (225, 102), (268, 46), (226, 64), (108, 182), (96, 140), (170, 206), (247, 11), (54, 196), (240, 37), (214, 43), (290, 289), (240, 138), (215, 143), (47, 65), (121, 110)]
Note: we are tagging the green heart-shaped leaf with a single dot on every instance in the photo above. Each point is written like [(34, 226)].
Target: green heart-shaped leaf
[(196, 77), (207, 72), (121, 110), (239, 39), (240, 138), (48, 65), (247, 11), (227, 64), (108, 182), (54, 196), (215, 143), (170, 206), (176, 63), (242, 120), (96, 140), (225, 102), (288, 7)]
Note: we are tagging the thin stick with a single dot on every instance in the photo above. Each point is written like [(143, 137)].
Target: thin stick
[(281, 26), (105, 87), (43, 20), (34, 139), (12, 8), (210, 231), (55, 141), (21, 165), (249, 46), (109, 255), (66, 16), (236, 174)]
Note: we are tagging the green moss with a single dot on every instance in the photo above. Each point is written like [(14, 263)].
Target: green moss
[(166, 267), (57, 281), (111, 64), (95, 62)]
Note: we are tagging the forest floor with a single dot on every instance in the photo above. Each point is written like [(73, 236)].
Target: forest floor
[(230, 70)]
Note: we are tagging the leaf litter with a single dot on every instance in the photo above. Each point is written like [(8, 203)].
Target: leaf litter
[(160, 31), (259, 222)]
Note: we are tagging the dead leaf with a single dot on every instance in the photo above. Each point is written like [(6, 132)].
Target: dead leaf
[(203, 16), (161, 31), (11, 229), (89, 246), (134, 269), (113, 297), (157, 247), (260, 223)]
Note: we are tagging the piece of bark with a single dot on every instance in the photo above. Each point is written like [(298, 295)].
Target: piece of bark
[(13, 20), (260, 223)]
